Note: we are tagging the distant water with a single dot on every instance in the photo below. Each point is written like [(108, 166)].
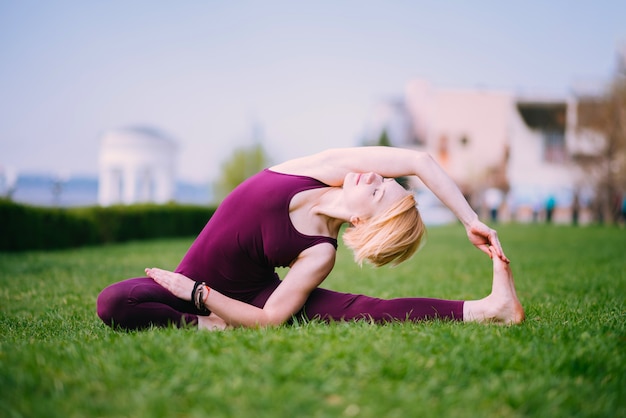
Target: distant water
[(41, 190)]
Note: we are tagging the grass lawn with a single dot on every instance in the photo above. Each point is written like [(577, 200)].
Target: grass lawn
[(567, 360)]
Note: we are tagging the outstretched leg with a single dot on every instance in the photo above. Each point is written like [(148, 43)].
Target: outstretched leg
[(502, 305), (328, 305)]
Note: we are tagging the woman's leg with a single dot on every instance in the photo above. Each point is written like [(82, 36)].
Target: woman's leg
[(328, 305), (140, 303), (501, 306)]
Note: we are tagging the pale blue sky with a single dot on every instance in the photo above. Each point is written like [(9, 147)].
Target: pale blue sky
[(309, 73)]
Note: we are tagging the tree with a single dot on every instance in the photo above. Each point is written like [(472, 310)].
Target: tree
[(605, 165), (383, 140), (243, 163)]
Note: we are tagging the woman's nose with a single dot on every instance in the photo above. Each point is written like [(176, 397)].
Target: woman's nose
[(371, 178)]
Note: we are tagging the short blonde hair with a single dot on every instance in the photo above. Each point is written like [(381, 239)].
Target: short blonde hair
[(392, 236)]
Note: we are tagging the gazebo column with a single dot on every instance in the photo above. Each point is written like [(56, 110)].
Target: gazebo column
[(145, 184), (129, 185), (104, 188), (163, 185), (110, 189)]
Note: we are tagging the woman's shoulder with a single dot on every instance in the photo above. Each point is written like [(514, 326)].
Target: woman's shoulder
[(314, 166), (302, 166)]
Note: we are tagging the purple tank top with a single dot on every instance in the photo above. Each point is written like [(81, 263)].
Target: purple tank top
[(250, 235)]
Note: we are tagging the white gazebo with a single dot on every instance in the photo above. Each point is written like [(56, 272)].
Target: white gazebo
[(136, 166)]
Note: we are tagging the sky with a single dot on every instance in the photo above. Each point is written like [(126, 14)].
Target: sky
[(298, 76)]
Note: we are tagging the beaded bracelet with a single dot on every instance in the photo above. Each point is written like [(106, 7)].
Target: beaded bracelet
[(198, 296), (193, 292)]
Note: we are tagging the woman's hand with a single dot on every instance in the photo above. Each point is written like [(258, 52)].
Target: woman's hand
[(485, 238), (181, 286)]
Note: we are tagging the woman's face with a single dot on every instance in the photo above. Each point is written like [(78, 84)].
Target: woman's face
[(368, 194)]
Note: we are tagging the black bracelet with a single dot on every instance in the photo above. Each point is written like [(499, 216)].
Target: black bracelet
[(199, 296), (193, 292)]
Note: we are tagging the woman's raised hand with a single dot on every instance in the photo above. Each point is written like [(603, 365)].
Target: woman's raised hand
[(181, 286), (485, 238)]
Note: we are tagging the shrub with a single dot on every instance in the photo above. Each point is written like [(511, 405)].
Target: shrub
[(25, 227)]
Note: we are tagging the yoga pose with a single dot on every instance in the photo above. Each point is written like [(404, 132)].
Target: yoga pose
[(290, 216)]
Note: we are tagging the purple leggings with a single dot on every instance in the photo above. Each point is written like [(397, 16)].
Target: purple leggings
[(141, 303)]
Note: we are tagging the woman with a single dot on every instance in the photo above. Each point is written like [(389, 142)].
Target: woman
[(290, 215)]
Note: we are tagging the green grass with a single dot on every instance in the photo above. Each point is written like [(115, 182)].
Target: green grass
[(567, 360)]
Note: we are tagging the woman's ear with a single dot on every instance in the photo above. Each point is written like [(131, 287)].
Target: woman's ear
[(355, 220)]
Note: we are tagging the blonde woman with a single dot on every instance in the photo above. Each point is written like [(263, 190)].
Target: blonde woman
[(290, 215)]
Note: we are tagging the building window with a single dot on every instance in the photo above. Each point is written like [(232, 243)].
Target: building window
[(548, 120), (554, 147)]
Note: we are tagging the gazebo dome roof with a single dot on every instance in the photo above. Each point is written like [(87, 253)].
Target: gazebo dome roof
[(138, 138)]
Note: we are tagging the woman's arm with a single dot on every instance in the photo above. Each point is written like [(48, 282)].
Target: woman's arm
[(307, 272), (437, 180), (331, 166)]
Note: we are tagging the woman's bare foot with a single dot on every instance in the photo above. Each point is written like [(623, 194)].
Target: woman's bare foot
[(211, 323), (502, 305)]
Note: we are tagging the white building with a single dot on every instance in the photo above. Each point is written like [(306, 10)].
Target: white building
[(484, 139), (136, 165)]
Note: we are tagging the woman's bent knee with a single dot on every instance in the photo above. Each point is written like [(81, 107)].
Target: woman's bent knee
[(111, 303)]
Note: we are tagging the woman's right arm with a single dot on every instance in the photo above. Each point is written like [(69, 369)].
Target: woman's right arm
[(438, 181), (307, 272), (331, 167)]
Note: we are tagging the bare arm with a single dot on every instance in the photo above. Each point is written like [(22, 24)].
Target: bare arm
[(308, 271), (331, 166)]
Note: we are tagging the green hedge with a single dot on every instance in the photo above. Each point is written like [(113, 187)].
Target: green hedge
[(25, 227)]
